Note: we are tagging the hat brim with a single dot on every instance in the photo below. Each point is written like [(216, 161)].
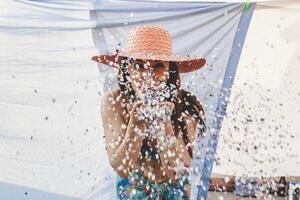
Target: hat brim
[(185, 64)]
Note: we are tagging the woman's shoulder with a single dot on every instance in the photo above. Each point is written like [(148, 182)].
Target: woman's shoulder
[(111, 96), (113, 99)]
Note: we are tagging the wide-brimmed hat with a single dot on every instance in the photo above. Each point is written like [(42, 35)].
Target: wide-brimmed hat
[(150, 42)]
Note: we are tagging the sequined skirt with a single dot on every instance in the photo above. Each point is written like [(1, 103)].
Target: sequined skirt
[(137, 187)]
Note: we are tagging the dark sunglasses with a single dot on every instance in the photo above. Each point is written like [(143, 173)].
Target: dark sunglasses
[(141, 64)]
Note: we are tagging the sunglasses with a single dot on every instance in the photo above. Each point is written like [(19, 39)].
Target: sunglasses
[(141, 64)]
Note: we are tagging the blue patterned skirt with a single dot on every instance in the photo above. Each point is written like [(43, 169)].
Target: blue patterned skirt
[(139, 188)]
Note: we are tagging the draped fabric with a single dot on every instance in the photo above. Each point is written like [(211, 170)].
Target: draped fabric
[(51, 136)]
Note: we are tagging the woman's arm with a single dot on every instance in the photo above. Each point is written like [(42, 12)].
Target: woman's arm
[(122, 143), (176, 159)]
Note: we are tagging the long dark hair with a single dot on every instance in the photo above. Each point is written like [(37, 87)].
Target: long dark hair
[(184, 101)]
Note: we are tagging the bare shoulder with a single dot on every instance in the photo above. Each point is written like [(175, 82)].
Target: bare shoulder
[(111, 104), (110, 94), (110, 98)]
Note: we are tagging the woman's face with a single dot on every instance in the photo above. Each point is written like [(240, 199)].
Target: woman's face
[(150, 74)]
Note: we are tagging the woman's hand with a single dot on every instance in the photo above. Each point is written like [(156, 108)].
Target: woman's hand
[(132, 109), (168, 123), (168, 104), (172, 150), (137, 125), (164, 112)]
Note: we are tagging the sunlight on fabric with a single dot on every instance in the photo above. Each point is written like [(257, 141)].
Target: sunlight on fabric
[(51, 135)]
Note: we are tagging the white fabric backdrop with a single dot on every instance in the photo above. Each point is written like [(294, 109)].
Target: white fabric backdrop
[(263, 111), (50, 133)]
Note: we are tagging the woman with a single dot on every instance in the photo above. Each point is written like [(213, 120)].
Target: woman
[(150, 165)]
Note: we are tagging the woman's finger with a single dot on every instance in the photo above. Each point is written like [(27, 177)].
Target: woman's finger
[(137, 104), (167, 103)]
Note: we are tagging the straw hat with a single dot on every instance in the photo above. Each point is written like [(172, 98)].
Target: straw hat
[(150, 42)]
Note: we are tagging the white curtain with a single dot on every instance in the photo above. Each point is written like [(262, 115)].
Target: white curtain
[(51, 137)]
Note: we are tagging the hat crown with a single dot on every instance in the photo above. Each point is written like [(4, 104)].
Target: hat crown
[(149, 39)]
